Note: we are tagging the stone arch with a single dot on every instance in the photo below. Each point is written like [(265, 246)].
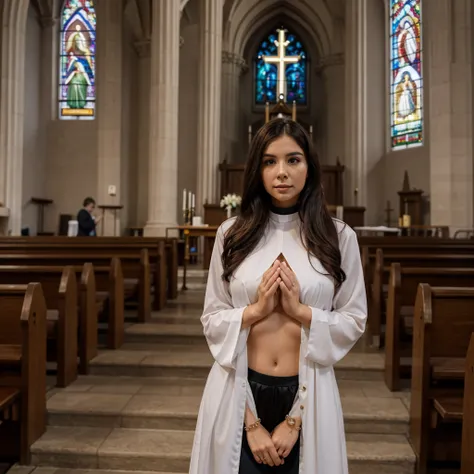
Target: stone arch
[(183, 4), (295, 25), (294, 22), (14, 17), (248, 16)]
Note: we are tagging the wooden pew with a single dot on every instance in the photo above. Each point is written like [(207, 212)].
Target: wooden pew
[(431, 231), (86, 329), (377, 289), (408, 245), (391, 245), (110, 286), (88, 339), (163, 256), (60, 293), (22, 369), (455, 410), (133, 265), (443, 324), (403, 286), (99, 285), (467, 450)]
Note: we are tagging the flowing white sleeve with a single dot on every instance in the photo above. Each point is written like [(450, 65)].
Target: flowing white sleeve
[(221, 321), (333, 333)]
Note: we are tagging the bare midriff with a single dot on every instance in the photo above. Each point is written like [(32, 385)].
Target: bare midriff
[(273, 345)]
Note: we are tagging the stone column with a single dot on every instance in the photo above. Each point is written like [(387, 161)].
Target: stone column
[(332, 68), (355, 103), (109, 110), (143, 49), (12, 93), (448, 42), (49, 66), (232, 67), (209, 102), (163, 165)]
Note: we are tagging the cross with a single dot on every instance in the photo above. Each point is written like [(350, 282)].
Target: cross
[(281, 60), (388, 212)]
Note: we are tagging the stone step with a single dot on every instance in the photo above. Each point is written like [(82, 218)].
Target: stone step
[(164, 318), (175, 348), (162, 333), (173, 404), (17, 469), (195, 281), (113, 448), (169, 450), (193, 271), (361, 366), (158, 363), (194, 285), (168, 359), (168, 315)]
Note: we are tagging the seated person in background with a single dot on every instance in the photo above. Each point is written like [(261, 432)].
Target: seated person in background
[(86, 221)]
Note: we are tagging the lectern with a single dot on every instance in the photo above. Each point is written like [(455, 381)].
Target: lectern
[(110, 207), (42, 203), (411, 202)]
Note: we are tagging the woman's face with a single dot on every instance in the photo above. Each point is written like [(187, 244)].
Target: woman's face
[(284, 171)]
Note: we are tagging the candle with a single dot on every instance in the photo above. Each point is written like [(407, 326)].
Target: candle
[(184, 199), (194, 201), (189, 200), (311, 129)]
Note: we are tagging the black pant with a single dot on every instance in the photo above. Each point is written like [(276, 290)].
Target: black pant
[(274, 397)]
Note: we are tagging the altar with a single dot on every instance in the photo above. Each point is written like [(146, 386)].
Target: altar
[(351, 215), (282, 104), (232, 176)]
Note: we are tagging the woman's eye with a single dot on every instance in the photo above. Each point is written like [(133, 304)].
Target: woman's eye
[(268, 162), (293, 160)]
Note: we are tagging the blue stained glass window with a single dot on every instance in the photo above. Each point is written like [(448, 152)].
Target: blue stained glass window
[(267, 82), (406, 75), (77, 66)]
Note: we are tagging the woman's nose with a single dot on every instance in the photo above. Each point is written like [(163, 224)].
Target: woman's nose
[(282, 171)]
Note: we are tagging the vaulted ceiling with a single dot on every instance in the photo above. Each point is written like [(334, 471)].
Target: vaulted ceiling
[(138, 13), (43, 7), (242, 17)]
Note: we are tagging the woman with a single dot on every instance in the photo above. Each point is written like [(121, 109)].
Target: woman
[(285, 301)]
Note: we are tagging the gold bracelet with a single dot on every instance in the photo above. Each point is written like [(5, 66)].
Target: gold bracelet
[(253, 425), (292, 423)]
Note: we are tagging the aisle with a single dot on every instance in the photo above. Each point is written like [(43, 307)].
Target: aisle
[(137, 410)]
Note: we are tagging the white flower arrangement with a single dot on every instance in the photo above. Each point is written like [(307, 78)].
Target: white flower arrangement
[(231, 201)]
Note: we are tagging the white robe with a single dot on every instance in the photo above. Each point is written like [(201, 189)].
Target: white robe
[(337, 323)]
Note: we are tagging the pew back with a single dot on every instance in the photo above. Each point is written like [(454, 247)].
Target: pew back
[(443, 324), (163, 254), (467, 453), (403, 286), (380, 277), (23, 324), (59, 287), (132, 266)]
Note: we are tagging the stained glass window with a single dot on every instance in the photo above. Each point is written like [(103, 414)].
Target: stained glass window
[(406, 76), (280, 68), (77, 60)]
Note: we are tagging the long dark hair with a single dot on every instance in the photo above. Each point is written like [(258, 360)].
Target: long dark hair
[(318, 231)]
